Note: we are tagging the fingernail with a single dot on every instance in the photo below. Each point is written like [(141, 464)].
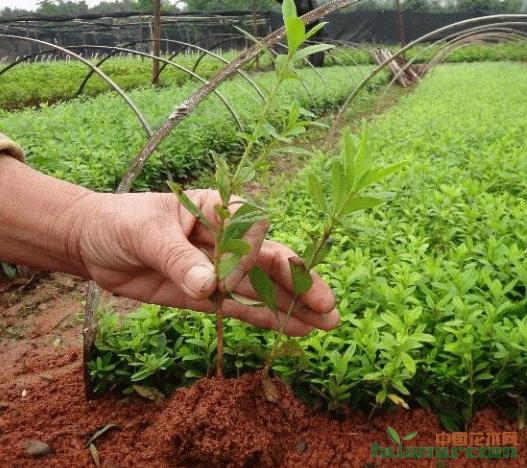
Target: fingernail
[(199, 281), (334, 318)]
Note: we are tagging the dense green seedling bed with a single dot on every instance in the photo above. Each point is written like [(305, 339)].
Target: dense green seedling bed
[(421, 53), (431, 285), (33, 84), (92, 142)]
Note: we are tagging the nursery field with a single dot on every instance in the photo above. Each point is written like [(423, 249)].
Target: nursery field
[(35, 84), (92, 142), (431, 286)]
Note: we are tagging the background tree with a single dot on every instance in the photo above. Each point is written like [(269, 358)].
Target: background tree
[(416, 5), (218, 5)]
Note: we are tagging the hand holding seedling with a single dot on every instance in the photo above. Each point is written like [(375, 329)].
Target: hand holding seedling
[(143, 246), (149, 247)]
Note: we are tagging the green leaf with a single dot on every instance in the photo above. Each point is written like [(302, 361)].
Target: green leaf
[(410, 435), (359, 203), (310, 50), (379, 173), (364, 147), (264, 287), (398, 385), (100, 432), (245, 174), (241, 221), (392, 434), (296, 30), (289, 9), (338, 185), (227, 265), (349, 150), (223, 178), (316, 191), (188, 203), (297, 150), (300, 275), (316, 28), (150, 393), (373, 376), (408, 362), (380, 398), (235, 246)]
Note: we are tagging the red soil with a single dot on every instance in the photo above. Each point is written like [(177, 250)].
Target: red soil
[(214, 423)]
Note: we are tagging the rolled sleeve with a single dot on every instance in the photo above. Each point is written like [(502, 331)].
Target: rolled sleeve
[(10, 148)]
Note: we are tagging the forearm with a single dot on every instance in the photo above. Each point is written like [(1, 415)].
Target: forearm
[(39, 218)]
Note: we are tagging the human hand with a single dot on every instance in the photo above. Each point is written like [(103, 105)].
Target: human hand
[(148, 247)]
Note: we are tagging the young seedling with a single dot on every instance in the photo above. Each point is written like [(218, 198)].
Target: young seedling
[(352, 172), (229, 243)]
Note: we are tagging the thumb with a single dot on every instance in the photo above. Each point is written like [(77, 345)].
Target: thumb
[(172, 255)]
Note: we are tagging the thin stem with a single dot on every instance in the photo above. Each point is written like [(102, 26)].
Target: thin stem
[(259, 122), (218, 239), (220, 297), (294, 302)]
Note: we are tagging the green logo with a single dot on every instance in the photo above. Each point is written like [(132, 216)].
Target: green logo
[(394, 435), (474, 449)]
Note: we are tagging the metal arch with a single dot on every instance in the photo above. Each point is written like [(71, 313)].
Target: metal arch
[(409, 46), (468, 32), (200, 58), (220, 58), (479, 37), (453, 37), (105, 77), (493, 30), (180, 67), (170, 41), (99, 63)]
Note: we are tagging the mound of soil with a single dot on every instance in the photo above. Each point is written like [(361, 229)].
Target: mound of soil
[(215, 423), (221, 422)]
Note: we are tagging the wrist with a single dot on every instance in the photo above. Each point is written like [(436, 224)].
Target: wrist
[(39, 218), (71, 225)]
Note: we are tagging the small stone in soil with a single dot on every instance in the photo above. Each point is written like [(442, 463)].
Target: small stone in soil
[(301, 446), (36, 448)]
